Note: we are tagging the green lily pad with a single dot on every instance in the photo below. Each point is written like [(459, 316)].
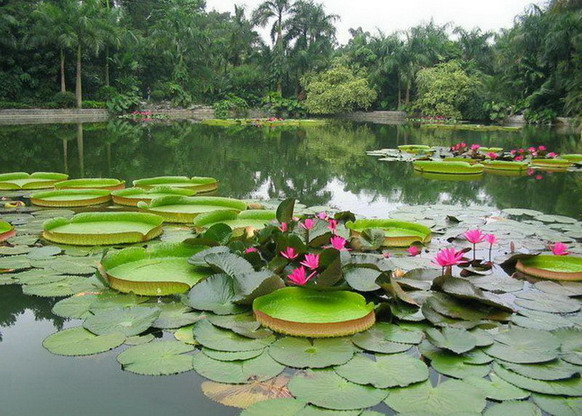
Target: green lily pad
[(544, 302), (317, 353), (71, 267), (63, 286), (458, 367), (249, 219), (396, 233), (571, 344), (280, 407), (91, 183), (447, 398), (540, 320), (551, 370), (36, 180), (454, 339), (524, 346), (387, 338), (157, 358), (184, 209), (196, 183), (560, 288), (567, 387), (398, 370), (13, 251), (224, 340), (326, 389), (552, 267), (497, 389), (131, 196), (186, 335), (260, 368), (79, 341), (175, 315), (70, 198), (127, 321), (215, 294), (231, 356), (20, 262), (513, 408), (139, 339), (559, 406)]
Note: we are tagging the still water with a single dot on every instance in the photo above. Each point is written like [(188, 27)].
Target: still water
[(319, 166)]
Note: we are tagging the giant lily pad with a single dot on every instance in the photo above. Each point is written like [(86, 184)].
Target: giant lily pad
[(162, 269), (70, 198), (23, 180), (92, 183), (415, 148), (504, 165), (552, 267), (196, 183), (184, 209), (308, 312), (451, 168), (103, 228), (551, 163), (131, 196), (573, 157), (326, 389), (396, 233), (6, 231), (157, 358), (251, 219)]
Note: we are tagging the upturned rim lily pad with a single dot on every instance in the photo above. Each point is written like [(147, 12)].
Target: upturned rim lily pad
[(415, 148), (504, 165), (451, 168), (308, 312), (552, 267), (552, 163), (70, 198), (462, 159), (103, 228), (397, 233), (183, 209), (132, 196), (36, 180), (6, 231), (490, 149), (250, 219), (92, 183), (159, 270), (196, 183), (573, 157)]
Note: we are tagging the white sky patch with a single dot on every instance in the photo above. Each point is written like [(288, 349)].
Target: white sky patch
[(394, 15)]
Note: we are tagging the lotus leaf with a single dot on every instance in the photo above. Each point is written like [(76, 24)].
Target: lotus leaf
[(462, 159), (131, 196), (224, 340), (157, 358), (448, 398), (185, 335), (497, 389), (36, 180), (243, 396), (552, 267), (260, 368), (75, 306), (397, 233), (102, 228), (127, 321), (318, 353), (449, 168), (243, 324), (559, 406), (79, 341), (326, 389), (19, 262), (244, 220), (398, 370), (566, 387), (139, 339), (513, 408), (46, 252), (70, 198), (198, 184), (160, 270), (183, 209), (92, 183), (308, 312)]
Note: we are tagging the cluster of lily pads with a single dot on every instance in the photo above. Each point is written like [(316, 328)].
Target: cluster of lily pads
[(472, 161), (293, 310), (263, 122)]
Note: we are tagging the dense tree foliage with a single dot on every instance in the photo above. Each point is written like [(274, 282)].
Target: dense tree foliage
[(179, 51)]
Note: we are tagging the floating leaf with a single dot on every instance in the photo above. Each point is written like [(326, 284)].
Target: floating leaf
[(65, 286), (15, 263), (139, 339), (224, 340), (326, 389), (279, 407), (243, 396), (540, 320), (317, 353), (551, 370), (362, 279), (175, 315), (38, 253), (215, 294), (457, 308), (497, 389), (545, 302), (568, 387), (513, 408), (521, 345), (398, 370), (560, 289), (231, 356), (186, 335), (571, 348), (559, 406), (127, 321), (157, 358), (79, 341), (453, 339), (71, 267), (457, 367), (259, 368), (447, 398)]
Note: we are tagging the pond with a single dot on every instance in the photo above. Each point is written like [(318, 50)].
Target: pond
[(320, 166)]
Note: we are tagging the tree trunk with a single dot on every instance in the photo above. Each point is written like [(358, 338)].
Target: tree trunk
[(63, 84), (78, 86), (81, 150), (408, 93), (107, 66), (399, 96)]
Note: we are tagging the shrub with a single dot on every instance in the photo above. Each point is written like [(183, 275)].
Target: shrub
[(278, 106), (64, 99), (124, 103), (13, 105), (157, 95), (233, 106), (546, 116), (94, 104), (105, 93)]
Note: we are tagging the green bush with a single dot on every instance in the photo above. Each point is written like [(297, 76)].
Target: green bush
[(94, 104), (105, 93), (13, 105), (124, 103), (233, 106), (278, 106), (546, 116), (157, 95), (65, 99)]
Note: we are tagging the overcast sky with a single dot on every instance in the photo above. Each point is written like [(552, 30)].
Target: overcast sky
[(393, 15)]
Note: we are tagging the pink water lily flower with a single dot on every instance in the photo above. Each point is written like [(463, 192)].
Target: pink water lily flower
[(251, 250), (413, 251), (332, 225), (513, 151), (289, 253), (311, 261), (552, 155), (559, 249), (284, 227), (474, 236), (518, 158), (308, 224), (322, 216), (492, 155), (475, 147), (299, 276), (491, 239), (539, 177), (338, 243), (531, 149), (541, 148), (448, 257)]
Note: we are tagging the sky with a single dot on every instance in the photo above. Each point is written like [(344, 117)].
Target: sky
[(394, 15)]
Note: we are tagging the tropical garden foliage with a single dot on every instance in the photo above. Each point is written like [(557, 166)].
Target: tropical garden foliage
[(179, 51)]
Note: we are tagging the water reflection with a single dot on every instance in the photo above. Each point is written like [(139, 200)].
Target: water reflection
[(318, 165)]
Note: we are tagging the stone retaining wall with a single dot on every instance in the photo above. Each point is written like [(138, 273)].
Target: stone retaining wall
[(380, 117), (45, 116)]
